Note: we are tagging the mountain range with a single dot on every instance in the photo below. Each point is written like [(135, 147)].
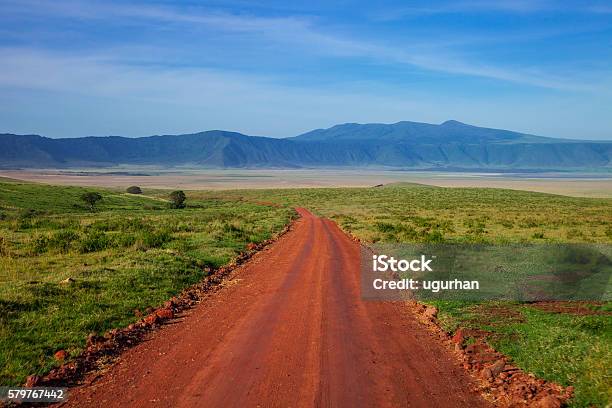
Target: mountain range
[(451, 145)]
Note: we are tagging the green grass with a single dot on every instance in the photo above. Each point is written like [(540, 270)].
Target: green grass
[(568, 349), (131, 253), (418, 213)]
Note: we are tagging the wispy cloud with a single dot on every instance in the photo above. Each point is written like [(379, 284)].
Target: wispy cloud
[(298, 32), (83, 9), (473, 6), (190, 99), (191, 68)]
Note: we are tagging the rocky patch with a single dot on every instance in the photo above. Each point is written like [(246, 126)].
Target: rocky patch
[(501, 382)]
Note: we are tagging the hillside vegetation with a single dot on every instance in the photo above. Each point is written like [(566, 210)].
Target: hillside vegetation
[(450, 145)]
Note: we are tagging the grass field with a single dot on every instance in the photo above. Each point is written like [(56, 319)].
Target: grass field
[(419, 213), (571, 348), (132, 252)]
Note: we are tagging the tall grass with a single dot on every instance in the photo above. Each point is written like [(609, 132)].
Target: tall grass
[(419, 213)]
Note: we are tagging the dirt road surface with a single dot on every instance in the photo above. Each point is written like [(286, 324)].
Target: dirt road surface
[(289, 329)]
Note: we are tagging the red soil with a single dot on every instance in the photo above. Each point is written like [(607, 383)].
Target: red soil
[(289, 329)]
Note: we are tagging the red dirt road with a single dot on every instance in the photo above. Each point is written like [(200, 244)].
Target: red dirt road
[(288, 329)]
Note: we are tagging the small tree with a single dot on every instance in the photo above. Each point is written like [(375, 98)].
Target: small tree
[(177, 199), (134, 190), (91, 198)]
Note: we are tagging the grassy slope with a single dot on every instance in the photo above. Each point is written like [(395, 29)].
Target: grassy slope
[(569, 349), (131, 253)]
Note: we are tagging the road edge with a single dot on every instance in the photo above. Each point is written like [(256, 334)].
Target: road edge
[(103, 351), (499, 381)]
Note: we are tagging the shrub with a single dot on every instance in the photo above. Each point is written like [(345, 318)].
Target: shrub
[(62, 240), (91, 198), (134, 190), (177, 199), (123, 240), (154, 239), (39, 244), (94, 241)]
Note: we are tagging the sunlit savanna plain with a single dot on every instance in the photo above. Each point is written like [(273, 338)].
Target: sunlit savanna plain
[(571, 348), (130, 253), (133, 252)]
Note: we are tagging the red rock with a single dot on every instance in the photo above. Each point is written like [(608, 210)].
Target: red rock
[(32, 381), (151, 319), (111, 333), (486, 374), (516, 402), (550, 401), (251, 246), (497, 367), (458, 337), (60, 355), (471, 348), (165, 313), (431, 312)]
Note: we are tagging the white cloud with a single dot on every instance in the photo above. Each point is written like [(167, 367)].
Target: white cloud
[(132, 89), (302, 33)]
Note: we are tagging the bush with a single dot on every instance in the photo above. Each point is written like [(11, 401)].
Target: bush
[(123, 240), (94, 241), (155, 239), (39, 244), (62, 240), (134, 190), (177, 199), (91, 198)]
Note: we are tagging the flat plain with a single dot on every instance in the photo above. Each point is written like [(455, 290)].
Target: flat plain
[(133, 252), (572, 184)]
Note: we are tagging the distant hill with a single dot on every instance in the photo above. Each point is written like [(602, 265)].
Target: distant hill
[(423, 133), (411, 145)]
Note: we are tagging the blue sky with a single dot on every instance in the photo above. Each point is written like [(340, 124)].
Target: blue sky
[(279, 68)]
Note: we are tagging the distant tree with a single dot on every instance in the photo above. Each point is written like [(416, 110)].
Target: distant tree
[(91, 198), (134, 190), (177, 199)]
